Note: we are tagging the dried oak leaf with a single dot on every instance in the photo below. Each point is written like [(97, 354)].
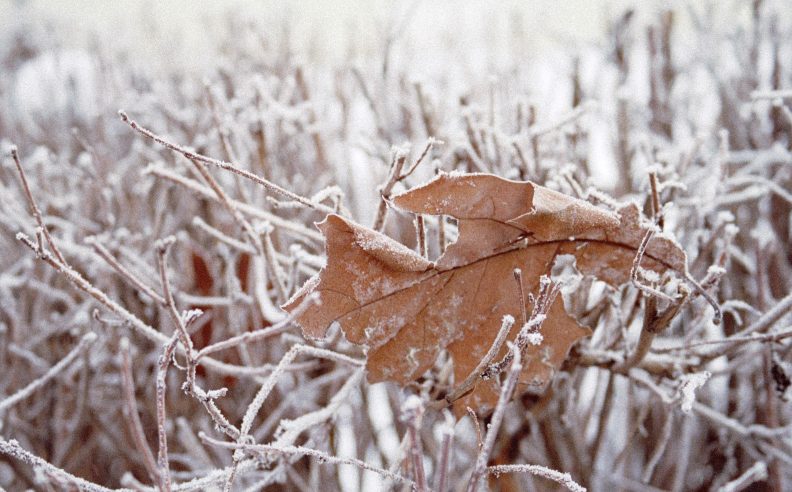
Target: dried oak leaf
[(406, 310)]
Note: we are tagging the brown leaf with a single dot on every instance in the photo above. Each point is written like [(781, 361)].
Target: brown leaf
[(406, 310)]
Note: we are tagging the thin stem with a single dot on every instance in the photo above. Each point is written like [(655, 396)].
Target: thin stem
[(420, 230), (430, 142), (521, 296), (764, 323), (444, 461), (123, 271), (86, 341), (303, 451), (754, 474), (507, 390), (412, 414), (399, 158), (269, 384), (34, 209), (465, 386), (162, 453), (163, 247), (193, 156), (564, 479), (253, 336), (665, 435), (657, 209), (14, 450), (131, 413), (205, 192)]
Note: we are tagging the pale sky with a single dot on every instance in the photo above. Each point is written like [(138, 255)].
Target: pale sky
[(322, 29)]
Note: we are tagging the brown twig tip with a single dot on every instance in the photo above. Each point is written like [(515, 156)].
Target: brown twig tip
[(125, 117), (14, 151)]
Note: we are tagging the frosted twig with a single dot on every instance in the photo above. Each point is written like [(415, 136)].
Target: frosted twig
[(477, 426), (162, 247), (269, 384), (734, 339), (444, 460), (220, 236), (507, 390), (206, 398), (755, 473), (247, 209), (162, 453), (525, 168), (636, 269), (465, 386), (54, 371), (564, 479), (14, 450), (223, 135), (319, 145), (412, 414), (252, 336), (131, 413), (753, 430), (654, 321), (397, 163), (765, 322), (289, 430), (123, 271), (79, 281), (430, 142), (423, 106), (660, 446), (657, 208), (700, 290), (34, 209), (303, 451), (420, 232), (774, 94), (577, 112), (193, 156), (268, 311), (215, 477), (521, 296), (762, 182), (529, 333), (278, 277)]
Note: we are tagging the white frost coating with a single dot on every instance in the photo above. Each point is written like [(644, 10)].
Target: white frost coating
[(687, 390), (649, 275), (716, 271), (189, 316), (536, 321), (411, 404), (380, 242), (308, 286), (535, 338), (269, 311)]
